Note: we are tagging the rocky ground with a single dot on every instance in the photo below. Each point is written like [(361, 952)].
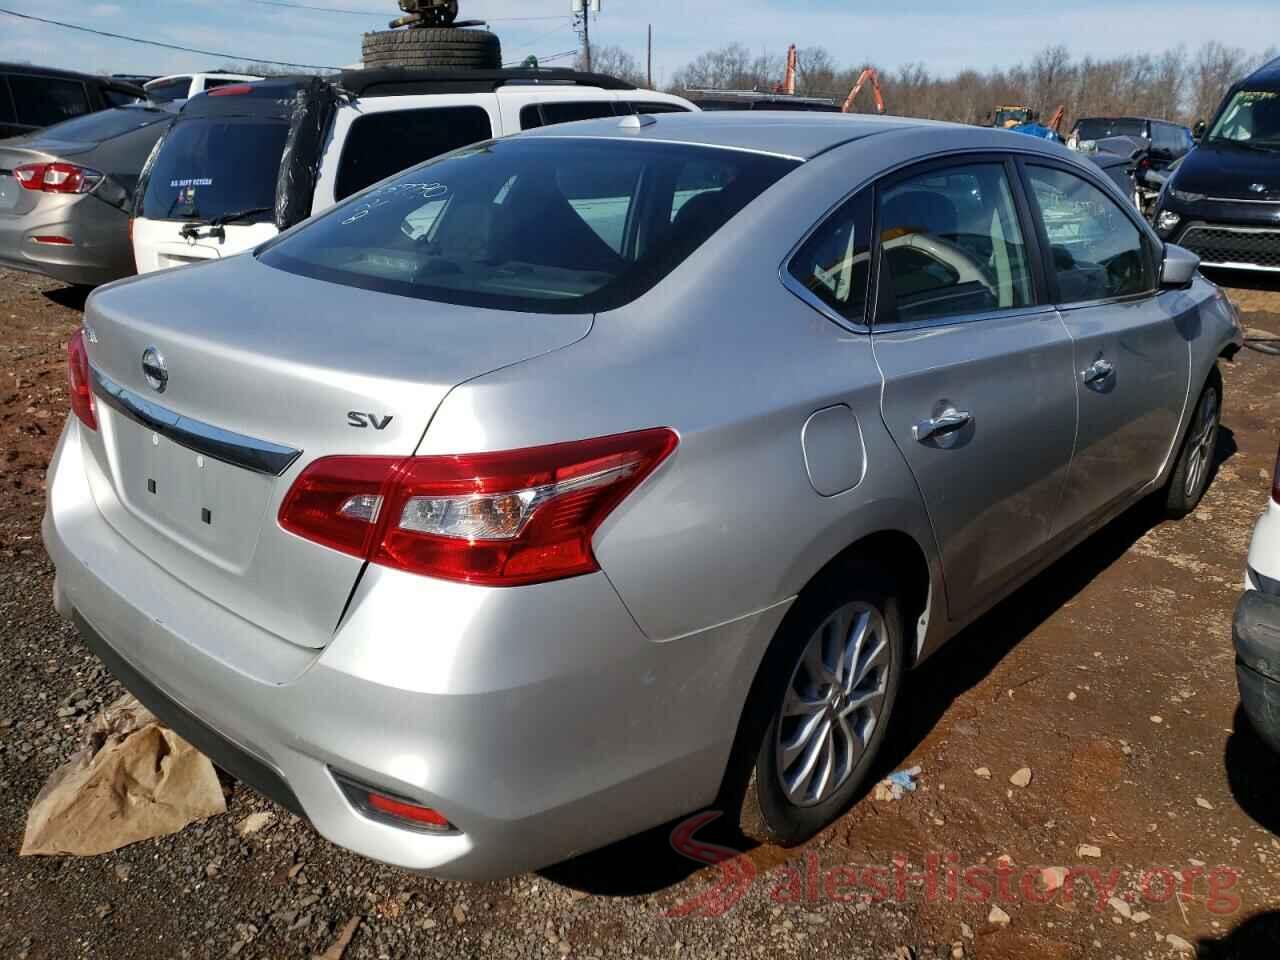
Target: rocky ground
[(1088, 724)]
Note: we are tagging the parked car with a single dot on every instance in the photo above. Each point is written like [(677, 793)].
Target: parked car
[(562, 485), (1257, 625), (1168, 141), (760, 100), (180, 87), (66, 194), (244, 162), (1223, 202), (35, 97)]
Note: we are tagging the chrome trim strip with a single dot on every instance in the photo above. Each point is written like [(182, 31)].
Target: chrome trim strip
[(806, 295), (1239, 266), (1228, 228), (249, 453), (1240, 200)]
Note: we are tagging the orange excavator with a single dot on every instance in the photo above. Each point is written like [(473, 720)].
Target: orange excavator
[(867, 75), (788, 84)]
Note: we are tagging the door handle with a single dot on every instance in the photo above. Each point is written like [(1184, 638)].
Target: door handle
[(949, 421), (1098, 370)]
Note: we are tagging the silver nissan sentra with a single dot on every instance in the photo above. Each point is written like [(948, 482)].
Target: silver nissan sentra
[(572, 482)]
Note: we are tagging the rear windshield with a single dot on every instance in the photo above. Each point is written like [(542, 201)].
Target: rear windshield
[(210, 167), (1100, 129), (559, 225), (166, 91), (106, 124)]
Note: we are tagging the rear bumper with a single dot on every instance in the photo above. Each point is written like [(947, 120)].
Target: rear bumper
[(1256, 631), (99, 251), (539, 720)]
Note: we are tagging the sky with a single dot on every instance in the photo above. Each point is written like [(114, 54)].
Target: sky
[(937, 33)]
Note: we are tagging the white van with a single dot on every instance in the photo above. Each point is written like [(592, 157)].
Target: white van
[(243, 162)]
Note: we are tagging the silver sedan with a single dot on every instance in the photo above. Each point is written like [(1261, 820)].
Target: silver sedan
[(575, 481)]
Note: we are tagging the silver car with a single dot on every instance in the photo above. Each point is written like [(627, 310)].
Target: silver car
[(574, 481)]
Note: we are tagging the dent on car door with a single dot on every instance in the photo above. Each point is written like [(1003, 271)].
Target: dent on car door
[(1132, 359), (978, 391)]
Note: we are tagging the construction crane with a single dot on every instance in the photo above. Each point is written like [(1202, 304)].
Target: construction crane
[(788, 84), (867, 75)]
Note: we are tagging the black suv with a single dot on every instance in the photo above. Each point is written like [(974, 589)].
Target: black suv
[(36, 97), (1223, 202)]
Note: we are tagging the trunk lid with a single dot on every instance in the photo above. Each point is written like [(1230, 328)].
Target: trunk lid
[(262, 360)]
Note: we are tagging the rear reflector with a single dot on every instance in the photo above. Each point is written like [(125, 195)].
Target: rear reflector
[(78, 381), (234, 90), (500, 519), (396, 811), (54, 240)]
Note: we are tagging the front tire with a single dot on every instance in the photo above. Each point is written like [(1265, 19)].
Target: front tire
[(820, 709), (1196, 459)]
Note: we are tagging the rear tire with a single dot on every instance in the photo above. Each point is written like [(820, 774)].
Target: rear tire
[(443, 47), (1197, 458), (819, 710)]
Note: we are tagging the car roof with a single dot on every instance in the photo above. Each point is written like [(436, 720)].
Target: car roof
[(789, 133), (407, 81), (31, 69), (1268, 75)]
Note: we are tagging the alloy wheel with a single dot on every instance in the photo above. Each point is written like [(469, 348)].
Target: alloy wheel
[(832, 704), (1200, 449)]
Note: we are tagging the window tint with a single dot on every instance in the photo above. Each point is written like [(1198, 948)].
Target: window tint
[(1097, 251), (1252, 115), (540, 224), (380, 144), (835, 262), (166, 91), (546, 114), (953, 245), (44, 101), (1100, 128), (657, 107), (6, 103), (212, 83), (210, 167), (105, 124)]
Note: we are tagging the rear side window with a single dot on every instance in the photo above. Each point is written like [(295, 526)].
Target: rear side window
[(953, 244), (166, 91), (212, 83), (542, 225), (380, 144), (643, 107), (209, 167), (834, 264), (1098, 252), (44, 101), (546, 114)]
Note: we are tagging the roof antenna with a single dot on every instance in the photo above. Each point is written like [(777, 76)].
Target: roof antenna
[(637, 121)]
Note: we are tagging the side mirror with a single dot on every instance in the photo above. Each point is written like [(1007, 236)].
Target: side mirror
[(1198, 131), (1179, 267)]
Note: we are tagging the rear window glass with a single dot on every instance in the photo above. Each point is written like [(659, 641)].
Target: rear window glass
[(6, 103), (380, 144), (44, 101), (210, 167), (166, 91), (1100, 129), (538, 225), (106, 124), (546, 114)]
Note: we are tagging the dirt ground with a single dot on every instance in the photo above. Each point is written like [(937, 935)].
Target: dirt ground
[(1110, 678)]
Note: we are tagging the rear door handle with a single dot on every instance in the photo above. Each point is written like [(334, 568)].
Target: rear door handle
[(1098, 370), (949, 421)]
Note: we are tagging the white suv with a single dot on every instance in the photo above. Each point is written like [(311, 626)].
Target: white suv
[(184, 86), (243, 162), (1257, 624)]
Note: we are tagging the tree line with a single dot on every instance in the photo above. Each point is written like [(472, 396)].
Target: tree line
[(1177, 84)]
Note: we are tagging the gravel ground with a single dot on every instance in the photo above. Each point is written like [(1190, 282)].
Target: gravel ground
[(1090, 721)]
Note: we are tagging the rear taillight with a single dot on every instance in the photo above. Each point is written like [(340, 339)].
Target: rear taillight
[(78, 381), (57, 177), (233, 90), (1275, 483), (500, 519)]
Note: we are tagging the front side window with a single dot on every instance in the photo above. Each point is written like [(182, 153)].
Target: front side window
[(834, 264), (953, 245), (1252, 117), (542, 225), (551, 112), (380, 144), (44, 101), (1097, 252)]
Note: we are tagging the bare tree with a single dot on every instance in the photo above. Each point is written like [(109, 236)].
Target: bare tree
[(615, 62)]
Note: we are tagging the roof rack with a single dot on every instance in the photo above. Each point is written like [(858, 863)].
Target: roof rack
[(755, 95), (405, 81)]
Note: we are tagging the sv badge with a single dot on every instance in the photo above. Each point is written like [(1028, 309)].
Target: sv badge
[(364, 421)]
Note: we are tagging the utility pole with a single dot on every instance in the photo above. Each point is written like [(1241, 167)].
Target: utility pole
[(651, 56)]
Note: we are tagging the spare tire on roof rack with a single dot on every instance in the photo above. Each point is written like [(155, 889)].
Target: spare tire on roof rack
[(444, 47)]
